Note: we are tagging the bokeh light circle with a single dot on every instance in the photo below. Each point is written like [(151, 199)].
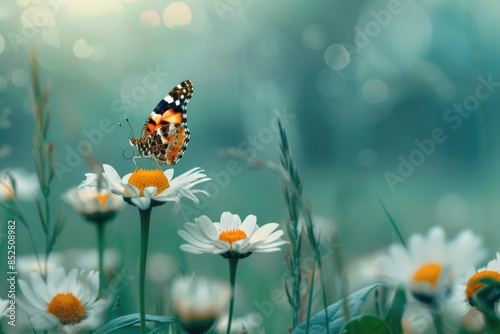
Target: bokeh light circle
[(4, 11), (51, 36), (82, 49), (23, 3), (375, 91), (36, 16), (177, 13), (150, 18), (19, 77), (337, 56), (314, 37)]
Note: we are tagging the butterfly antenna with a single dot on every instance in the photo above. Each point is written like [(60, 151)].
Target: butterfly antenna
[(131, 133)]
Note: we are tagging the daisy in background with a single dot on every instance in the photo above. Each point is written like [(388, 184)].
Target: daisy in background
[(427, 268), (232, 239), (95, 205), (198, 302), (474, 304), (146, 188), (66, 302), (17, 183), (98, 206)]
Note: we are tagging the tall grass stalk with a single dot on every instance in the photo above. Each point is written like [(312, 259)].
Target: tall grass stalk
[(45, 163)]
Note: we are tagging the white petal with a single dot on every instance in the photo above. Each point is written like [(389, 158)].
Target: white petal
[(141, 202), (113, 177), (191, 249), (263, 232), (150, 191), (249, 224), (207, 227), (226, 221)]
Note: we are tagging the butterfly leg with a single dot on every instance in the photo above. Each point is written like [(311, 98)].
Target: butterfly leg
[(135, 160)]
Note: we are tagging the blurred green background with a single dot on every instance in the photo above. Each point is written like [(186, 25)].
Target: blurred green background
[(360, 81)]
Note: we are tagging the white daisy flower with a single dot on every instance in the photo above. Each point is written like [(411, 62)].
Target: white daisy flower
[(198, 302), (145, 188), (161, 268), (18, 183), (460, 305), (230, 236), (429, 265), (94, 204), (29, 262), (68, 302)]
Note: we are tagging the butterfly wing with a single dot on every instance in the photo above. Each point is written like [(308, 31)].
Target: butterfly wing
[(172, 109), (167, 144), (166, 129)]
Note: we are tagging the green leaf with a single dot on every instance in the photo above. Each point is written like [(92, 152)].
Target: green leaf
[(357, 302), (131, 319), (366, 324), (395, 313)]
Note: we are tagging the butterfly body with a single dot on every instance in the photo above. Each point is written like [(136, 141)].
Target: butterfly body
[(165, 135)]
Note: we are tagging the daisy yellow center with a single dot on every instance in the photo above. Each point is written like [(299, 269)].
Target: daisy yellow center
[(428, 273), (473, 285), (67, 308), (231, 236), (143, 178), (102, 199)]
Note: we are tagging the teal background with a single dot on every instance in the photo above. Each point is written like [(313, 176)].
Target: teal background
[(361, 81)]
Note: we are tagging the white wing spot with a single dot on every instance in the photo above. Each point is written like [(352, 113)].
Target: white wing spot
[(169, 99), (177, 102)]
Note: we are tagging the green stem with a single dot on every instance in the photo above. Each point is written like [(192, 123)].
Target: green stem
[(145, 220), (233, 264), (438, 321), (100, 250)]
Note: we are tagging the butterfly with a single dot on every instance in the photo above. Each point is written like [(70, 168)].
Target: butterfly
[(165, 135)]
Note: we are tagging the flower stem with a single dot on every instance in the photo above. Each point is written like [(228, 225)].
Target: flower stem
[(145, 220), (233, 264), (100, 250), (438, 321)]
